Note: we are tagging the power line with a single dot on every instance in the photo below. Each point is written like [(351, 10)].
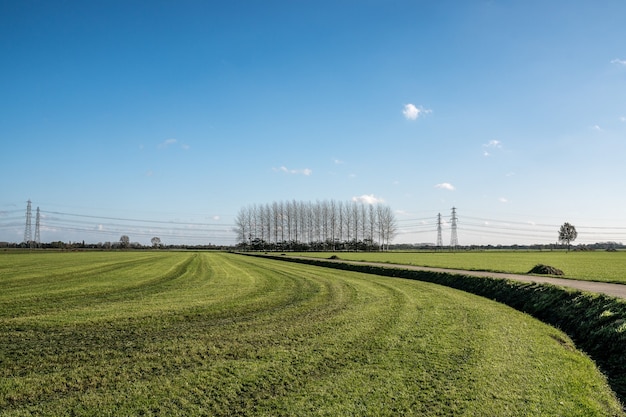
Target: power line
[(138, 220)]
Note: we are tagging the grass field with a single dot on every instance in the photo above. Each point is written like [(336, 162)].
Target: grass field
[(177, 333), (592, 266)]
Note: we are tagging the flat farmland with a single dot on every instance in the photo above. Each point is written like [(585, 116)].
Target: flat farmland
[(591, 266), (173, 333)]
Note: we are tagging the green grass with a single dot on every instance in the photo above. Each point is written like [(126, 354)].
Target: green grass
[(591, 266), (220, 334)]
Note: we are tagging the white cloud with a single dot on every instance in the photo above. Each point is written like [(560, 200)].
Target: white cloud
[(305, 171), (597, 128), (411, 112), (338, 161), (368, 199), (492, 144), (622, 119), (619, 62), (503, 200), (215, 217), (185, 147), (167, 143), (445, 186)]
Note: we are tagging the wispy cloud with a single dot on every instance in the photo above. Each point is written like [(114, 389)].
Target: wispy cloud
[(619, 62), (445, 186), (338, 161), (622, 119), (306, 171), (166, 143), (492, 144), (503, 200), (170, 142), (368, 199), (412, 112), (597, 128)]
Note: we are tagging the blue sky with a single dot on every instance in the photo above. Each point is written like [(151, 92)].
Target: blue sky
[(180, 113)]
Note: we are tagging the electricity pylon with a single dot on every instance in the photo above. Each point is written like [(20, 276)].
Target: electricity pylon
[(454, 241), (28, 230), (37, 222), (439, 239)]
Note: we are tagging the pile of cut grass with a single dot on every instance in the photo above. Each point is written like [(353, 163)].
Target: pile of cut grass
[(219, 334)]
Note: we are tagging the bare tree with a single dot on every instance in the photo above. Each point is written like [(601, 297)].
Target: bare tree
[(333, 222), (371, 222), (320, 225), (354, 209), (347, 215), (386, 225), (240, 226), (339, 236), (275, 220)]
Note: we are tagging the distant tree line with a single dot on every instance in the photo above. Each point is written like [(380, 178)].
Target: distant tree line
[(327, 225)]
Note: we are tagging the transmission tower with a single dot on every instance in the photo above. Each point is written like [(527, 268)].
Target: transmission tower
[(28, 231), (37, 235), (454, 241), (439, 239)]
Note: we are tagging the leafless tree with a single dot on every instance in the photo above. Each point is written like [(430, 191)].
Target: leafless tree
[(320, 224)]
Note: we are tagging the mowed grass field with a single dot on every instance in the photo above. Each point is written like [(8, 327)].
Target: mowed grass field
[(173, 333), (592, 266)]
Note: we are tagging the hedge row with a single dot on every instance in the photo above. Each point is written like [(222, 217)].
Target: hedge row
[(595, 322)]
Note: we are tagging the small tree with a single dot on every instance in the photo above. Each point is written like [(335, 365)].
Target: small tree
[(567, 234), (156, 242), (124, 242)]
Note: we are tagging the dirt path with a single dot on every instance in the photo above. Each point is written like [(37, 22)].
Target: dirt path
[(614, 290)]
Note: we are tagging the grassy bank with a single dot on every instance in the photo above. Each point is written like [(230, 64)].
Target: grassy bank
[(597, 323), (220, 334)]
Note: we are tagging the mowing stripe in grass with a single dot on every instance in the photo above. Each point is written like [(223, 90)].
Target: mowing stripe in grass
[(231, 335)]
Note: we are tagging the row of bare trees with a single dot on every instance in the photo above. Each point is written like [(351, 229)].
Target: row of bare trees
[(321, 225)]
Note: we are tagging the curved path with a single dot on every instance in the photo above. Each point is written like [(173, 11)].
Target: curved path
[(614, 290)]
